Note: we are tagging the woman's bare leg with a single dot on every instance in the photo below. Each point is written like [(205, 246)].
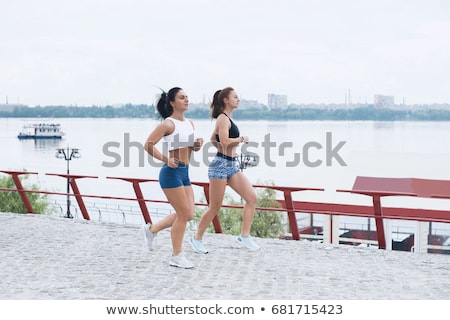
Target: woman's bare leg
[(240, 183), (182, 200), (216, 194), (164, 223)]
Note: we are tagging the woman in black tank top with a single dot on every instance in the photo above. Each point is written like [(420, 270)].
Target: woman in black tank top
[(233, 132), (224, 170)]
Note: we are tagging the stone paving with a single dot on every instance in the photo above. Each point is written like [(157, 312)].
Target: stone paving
[(51, 258)]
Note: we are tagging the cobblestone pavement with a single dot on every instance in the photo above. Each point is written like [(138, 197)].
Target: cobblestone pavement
[(46, 257)]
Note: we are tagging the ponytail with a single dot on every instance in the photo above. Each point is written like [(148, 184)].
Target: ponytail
[(218, 104), (164, 107)]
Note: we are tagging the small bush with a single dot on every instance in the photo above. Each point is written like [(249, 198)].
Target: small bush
[(10, 201), (266, 223)]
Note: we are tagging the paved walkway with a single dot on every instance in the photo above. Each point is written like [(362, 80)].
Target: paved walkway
[(45, 257)]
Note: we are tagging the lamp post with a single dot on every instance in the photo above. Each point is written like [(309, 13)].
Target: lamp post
[(246, 160), (67, 154)]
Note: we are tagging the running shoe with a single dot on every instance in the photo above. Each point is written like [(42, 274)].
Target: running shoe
[(180, 261), (148, 236), (197, 245), (248, 242)]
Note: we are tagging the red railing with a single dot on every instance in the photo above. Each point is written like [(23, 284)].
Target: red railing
[(287, 204), (363, 185)]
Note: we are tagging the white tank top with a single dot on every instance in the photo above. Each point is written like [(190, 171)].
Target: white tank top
[(181, 137)]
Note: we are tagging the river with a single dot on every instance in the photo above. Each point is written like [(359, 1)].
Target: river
[(320, 154)]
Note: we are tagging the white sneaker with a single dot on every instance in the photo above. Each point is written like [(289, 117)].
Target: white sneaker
[(148, 236), (197, 245), (248, 242), (180, 261)]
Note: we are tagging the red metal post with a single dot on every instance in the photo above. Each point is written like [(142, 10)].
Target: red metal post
[(216, 220), (291, 214), (19, 186), (141, 201), (139, 195), (76, 192), (289, 205), (379, 221)]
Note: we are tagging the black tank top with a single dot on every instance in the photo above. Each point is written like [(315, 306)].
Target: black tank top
[(233, 132)]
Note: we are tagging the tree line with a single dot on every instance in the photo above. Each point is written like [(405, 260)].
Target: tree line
[(367, 112)]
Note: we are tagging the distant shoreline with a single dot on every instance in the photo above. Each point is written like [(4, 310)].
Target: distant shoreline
[(361, 113)]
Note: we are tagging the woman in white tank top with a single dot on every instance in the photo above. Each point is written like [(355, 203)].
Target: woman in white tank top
[(177, 134)]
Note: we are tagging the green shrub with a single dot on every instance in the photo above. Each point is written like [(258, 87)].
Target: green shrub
[(266, 223), (10, 201)]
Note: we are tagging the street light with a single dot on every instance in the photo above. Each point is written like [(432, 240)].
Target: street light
[(246, 160), (68, 154)]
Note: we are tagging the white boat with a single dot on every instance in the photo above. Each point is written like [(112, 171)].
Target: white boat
[(41, 131)]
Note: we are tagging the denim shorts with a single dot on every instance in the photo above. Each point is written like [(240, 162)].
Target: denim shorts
[(223, 167), (174, 177)]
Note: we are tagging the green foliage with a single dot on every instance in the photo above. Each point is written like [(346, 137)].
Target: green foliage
[(10, 201), (254, 111), (126, 111), (266, 223)]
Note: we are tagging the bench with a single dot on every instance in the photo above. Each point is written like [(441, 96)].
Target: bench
[(378, 187)]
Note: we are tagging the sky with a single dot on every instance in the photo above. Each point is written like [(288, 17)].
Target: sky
[(100, 52)]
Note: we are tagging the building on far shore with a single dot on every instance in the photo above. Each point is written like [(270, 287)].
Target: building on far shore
[(381, 101), (277, 101)]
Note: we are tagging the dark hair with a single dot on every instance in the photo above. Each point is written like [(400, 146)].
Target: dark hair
[(164, 107), (217, 105)]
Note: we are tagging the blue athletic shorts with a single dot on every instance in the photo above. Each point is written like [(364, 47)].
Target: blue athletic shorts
[(222, 167), (174, 177)]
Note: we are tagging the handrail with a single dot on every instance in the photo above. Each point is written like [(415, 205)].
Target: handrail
[(72, 179), (287, 191), (287, 204)]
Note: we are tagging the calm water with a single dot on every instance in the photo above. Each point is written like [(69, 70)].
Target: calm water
[(384, 149)]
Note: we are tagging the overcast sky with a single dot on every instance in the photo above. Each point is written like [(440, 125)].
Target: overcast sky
[(98, 52)]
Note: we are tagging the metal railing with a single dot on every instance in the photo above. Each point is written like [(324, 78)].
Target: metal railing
[(287, 204)]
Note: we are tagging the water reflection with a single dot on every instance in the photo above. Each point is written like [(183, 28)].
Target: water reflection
[(384, 124), (41, 144)]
